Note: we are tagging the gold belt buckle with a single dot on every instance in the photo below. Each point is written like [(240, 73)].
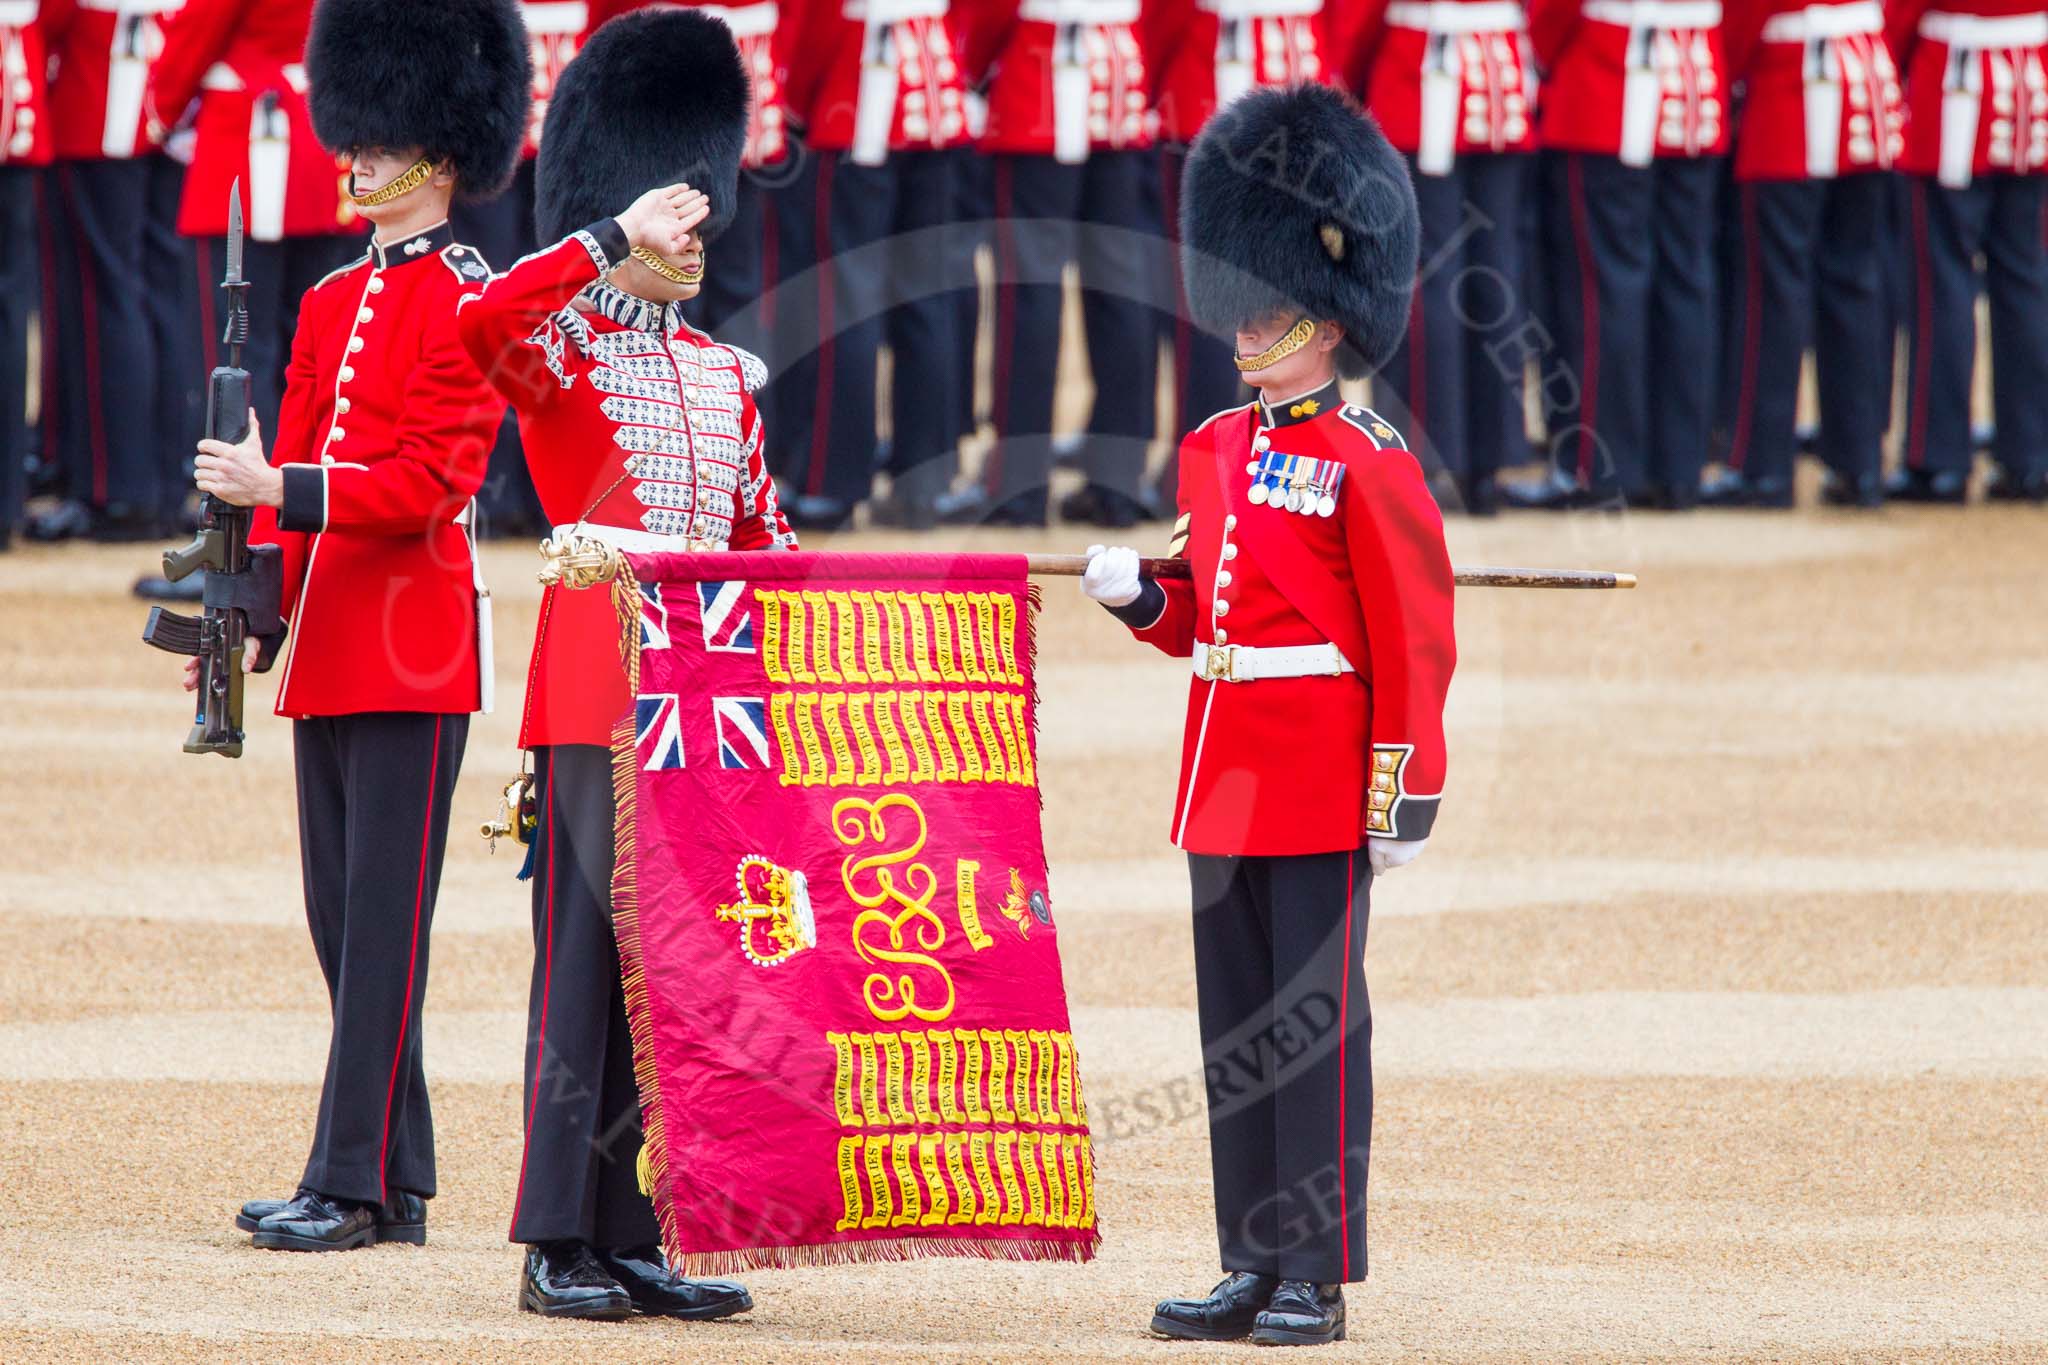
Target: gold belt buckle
[(1221, 664)]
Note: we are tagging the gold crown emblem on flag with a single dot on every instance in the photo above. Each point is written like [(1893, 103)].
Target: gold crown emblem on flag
[(773, 912)]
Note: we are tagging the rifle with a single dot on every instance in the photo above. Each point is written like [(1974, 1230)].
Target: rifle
[(244, 583)]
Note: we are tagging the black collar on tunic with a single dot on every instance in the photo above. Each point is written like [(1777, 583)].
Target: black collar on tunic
[(1301, 409), (419, 247), (632, 311)]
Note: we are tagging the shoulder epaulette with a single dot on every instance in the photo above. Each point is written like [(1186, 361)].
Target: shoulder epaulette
[(1204, 424), (467, 262), (1373, 425), (331, 276)]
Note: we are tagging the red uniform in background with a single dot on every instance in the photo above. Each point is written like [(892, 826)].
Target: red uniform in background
[(1453, 86), (1823, 119), (1370, 577), (382, 440), (1633, 119), (637, 427), (1976, 150)]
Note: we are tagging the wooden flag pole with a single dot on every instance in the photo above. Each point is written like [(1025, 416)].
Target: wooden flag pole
[(1482, 576)]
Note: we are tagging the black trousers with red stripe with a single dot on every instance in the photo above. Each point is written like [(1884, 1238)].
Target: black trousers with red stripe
[(578, 1176), (2005, 217), (1047, 214), (1631, 255), (881, 238), (1811, 269), (374, 793), (1287, 1058), (1460, 387), (125, 396)]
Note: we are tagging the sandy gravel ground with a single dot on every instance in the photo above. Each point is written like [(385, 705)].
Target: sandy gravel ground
[(1714, 1025)]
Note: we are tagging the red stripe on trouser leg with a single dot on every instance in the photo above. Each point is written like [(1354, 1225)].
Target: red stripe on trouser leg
[(1343, 1040), (412, 964), (821, 411), (1589, 317), (547, 981)]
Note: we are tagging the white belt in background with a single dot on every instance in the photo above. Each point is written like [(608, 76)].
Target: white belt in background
[(1445, 16), (1825, 21), (1249, 663), (1659, 14), (1980, 31)]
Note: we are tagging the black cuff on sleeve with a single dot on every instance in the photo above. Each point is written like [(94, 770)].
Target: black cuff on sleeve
[(1145, 609), (611, 240), (305, 499)]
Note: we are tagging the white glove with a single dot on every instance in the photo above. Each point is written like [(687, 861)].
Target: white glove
[(1112, 577), (1387, 854)]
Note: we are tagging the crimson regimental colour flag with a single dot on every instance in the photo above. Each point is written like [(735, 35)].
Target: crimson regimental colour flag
[(841, 959)]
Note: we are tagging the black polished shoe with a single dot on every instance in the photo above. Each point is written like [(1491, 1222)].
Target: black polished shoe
[(314, 1222), (564, 1280), (1730, 488), (1226, 1315), (2005, 486), (68, 520), (1100, 506), (809, 513), (1301, 1314), (1837, 491), (961, 506), (1479, 497), (659, 1292), (402, 1219), (1550, 492), (1917, 485)]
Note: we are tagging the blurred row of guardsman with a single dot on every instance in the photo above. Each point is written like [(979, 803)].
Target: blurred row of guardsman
[(1638, 216)]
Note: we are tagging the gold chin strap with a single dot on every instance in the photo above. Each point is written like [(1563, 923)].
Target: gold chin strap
[(418, 174), (1297, 337), (674, 274)]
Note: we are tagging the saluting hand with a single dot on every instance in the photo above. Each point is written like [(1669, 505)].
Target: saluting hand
[(662, 220), (240, 473)]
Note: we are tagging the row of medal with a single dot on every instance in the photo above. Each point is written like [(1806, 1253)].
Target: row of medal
[(1296, 483)]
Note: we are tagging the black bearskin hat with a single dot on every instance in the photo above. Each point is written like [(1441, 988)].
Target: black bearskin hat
[(656, 97), (451, 77), (1294, 202)]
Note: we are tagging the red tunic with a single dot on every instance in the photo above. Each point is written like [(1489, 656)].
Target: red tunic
[(637, 426), (555, 30), (100, 54), (874, 76), (1445, 77), (24, 91), (383, 437), (1206, 52), (241, 60), (1637, 79), (1824, 97), (1064, 76), (1310, 764), (1976, 86)]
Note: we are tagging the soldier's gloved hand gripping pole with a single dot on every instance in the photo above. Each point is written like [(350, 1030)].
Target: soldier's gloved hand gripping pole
[(244, 583)]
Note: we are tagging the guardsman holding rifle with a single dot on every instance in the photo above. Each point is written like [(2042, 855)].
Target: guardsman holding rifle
[(381, 443), (1318, 620)]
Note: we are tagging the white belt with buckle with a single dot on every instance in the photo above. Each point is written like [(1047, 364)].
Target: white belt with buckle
[(636, 541), (1446, 16), (1981, 31), (1656, 14), (1825, 21), (1249, 663)]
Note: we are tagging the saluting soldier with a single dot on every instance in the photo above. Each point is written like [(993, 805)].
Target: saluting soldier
[(1318, 620), (380, 446), (24, 147), (1976, 162), (1068, 129), (1453, 86), (1634, 123), (642, 431)]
